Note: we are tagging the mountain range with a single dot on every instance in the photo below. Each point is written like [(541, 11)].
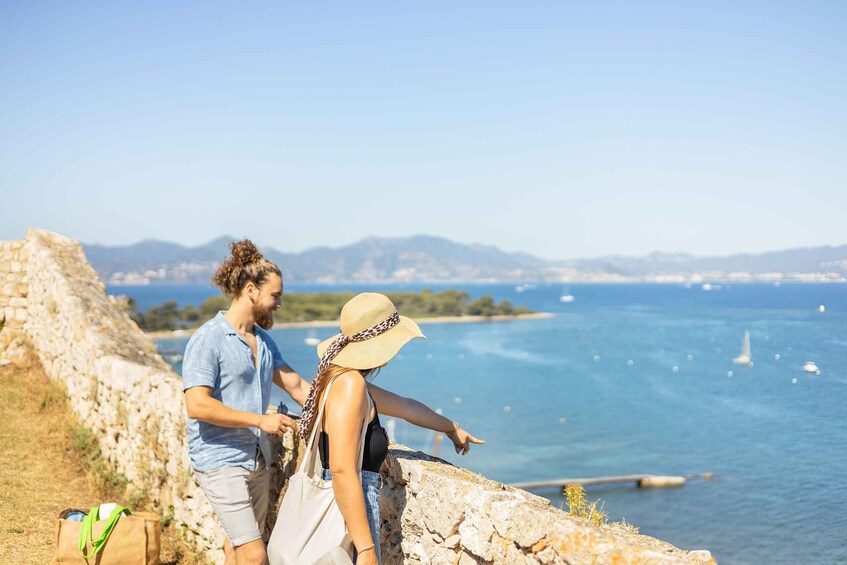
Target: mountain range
[(424, 258)]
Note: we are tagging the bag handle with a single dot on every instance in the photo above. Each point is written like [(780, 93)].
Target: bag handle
[(309, 464), (86, 533)]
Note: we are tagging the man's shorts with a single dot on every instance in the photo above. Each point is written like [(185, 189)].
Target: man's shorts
[(239, 498)]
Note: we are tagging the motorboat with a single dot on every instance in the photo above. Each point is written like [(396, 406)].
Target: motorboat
[(810, 367), (745, 358), (312, 339)]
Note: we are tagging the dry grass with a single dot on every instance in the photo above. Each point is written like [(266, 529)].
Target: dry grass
[(51, 463), (593, 511), (578, 506)]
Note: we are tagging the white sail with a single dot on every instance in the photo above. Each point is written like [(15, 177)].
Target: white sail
[(746, 356)]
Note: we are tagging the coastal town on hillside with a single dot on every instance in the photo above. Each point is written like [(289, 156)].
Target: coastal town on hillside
[(200, 272)]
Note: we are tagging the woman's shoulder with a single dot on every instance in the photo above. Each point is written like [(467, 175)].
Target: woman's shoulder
[(347, 383)]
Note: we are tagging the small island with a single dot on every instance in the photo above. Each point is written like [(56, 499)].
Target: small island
[(325, 307)]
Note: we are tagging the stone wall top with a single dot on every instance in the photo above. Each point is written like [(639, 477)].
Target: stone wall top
[(434, 512), (75, 285)]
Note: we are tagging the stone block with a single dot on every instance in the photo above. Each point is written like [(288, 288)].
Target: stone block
[(415, 551), (467, 559), (20, 315), (444, 509), (453, 541), (18, 302), (476, 531), (514, 519)]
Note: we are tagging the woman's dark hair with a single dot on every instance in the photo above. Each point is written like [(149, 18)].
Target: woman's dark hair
[(245, 264)]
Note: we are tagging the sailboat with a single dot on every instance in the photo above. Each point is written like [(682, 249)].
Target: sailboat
[(745, 358)]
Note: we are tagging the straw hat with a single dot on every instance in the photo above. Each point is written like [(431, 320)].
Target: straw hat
[(362, 312)]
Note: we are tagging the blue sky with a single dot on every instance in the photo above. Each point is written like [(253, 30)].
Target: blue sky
[(556, 128)]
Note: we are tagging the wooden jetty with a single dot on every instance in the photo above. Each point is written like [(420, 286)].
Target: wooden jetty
[(641, 481)]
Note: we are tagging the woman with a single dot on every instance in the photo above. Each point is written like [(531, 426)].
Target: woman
[(372, 332)]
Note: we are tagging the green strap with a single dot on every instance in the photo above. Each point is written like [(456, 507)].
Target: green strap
[(86, 533)]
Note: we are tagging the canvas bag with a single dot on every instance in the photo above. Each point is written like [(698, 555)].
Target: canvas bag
[(310, 529), (127, 539)]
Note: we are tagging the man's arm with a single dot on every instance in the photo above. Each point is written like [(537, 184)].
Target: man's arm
[(288, 380), (202, 406)]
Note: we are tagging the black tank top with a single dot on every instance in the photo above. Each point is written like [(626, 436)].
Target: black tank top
[(376, 445)]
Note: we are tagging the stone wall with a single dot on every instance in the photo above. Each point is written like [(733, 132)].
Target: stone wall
[(14, 289), (133, 402), (434, 512), (118, 386)]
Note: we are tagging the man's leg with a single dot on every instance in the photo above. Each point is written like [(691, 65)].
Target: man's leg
[(244, 553), (229, 553), (258, 485), (251, 553), (228, 490)]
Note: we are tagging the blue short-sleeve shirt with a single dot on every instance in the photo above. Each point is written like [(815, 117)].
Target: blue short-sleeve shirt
[(218, 358)]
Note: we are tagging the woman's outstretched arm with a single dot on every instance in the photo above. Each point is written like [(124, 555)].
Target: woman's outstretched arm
[(420, 414)]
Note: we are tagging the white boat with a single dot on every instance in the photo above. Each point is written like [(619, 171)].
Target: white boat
[(566, 298), (810, 367), (312, 339), (745, 358)]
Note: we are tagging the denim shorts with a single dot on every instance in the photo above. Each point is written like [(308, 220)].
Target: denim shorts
[(371, 483), (239, 498)]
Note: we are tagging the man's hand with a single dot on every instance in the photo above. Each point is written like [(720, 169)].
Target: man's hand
[(276, 424)]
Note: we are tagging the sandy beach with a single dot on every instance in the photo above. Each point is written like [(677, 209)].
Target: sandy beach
[(333, 323)]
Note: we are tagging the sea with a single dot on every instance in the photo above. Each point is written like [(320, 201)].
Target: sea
[(638, 378)]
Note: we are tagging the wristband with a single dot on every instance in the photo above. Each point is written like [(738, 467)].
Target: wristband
[(364, 549)]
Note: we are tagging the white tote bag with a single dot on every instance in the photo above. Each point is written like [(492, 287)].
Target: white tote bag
[(310, 529)]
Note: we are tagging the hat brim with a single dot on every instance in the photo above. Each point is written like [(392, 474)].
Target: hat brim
[(376, 351)]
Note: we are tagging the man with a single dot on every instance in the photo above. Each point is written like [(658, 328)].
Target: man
[(228, 368)]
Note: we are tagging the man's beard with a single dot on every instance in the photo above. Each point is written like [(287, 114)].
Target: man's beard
[(264, 318)]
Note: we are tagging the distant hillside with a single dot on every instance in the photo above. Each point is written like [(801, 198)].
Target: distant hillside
[(425, 258), (819, 260), (417, 258)]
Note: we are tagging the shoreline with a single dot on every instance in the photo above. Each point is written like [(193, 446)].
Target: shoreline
[(166, 334)]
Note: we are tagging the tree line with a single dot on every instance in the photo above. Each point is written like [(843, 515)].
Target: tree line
[(325, 306)]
